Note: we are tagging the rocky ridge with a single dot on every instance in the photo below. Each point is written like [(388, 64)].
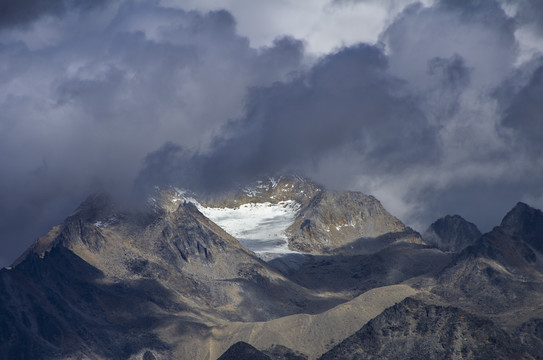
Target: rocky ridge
[(326, 222)]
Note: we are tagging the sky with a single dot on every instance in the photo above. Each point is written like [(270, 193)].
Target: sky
[(434, 107)]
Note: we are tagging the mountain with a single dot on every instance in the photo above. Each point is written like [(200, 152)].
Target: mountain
[(451, 233), (346, 222), (290, 269), (174, 244)]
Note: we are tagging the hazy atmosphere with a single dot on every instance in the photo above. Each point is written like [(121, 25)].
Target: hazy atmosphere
[(434, 107)]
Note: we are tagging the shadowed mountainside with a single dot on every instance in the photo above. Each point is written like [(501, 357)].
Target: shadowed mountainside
[(414, 330)]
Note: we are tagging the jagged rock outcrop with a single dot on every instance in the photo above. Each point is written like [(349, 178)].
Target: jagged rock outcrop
[(451, 233), (415, 330)]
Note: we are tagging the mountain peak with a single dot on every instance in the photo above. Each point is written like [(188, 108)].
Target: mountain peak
[(266, 189), (519, 214), (451, 233), (525, 222), (243, 351)]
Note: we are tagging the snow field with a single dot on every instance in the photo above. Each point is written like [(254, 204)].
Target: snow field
[(260, 227)]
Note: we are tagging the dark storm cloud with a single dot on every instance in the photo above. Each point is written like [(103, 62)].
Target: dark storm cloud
[(347, 99), (16, 13)]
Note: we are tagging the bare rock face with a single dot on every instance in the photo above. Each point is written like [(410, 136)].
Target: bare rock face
[(451, 233), (415, 330)]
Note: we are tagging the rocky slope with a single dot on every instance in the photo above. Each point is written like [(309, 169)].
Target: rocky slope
[(306, 334), (414, 330)]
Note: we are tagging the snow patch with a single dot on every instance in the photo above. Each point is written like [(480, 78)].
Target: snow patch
[(351, 223), (274, 182), (182, 195), (260, 227), (105, 223)]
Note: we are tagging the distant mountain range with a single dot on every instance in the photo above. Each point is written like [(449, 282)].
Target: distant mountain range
[(282, 269)]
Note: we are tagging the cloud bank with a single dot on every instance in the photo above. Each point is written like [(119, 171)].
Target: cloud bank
[(440, 114)]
